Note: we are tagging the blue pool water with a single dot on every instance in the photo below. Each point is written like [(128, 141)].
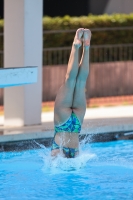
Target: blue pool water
[(102, 171)]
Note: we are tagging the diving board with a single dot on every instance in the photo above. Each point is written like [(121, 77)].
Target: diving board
[(18, 76)]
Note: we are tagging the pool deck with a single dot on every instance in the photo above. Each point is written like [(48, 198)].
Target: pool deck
[(102, 120)]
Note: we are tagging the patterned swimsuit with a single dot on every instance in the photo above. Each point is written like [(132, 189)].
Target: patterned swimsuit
[(72, 125)]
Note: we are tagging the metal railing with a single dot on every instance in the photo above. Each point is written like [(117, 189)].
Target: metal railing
[(56, 56), (98, 53), (1, 49), (92, 30), (111, 53), (1, 59)]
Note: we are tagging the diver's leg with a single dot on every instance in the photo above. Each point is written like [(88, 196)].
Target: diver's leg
[(64, 98), (79, 100)]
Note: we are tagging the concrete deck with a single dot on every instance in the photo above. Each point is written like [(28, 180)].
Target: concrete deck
[(103, 120)]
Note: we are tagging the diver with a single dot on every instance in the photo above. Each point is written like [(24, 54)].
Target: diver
[(70, 102)]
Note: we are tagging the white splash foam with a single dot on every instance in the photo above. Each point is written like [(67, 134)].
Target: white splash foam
[(68, 164), (65, 164), (59, 163)]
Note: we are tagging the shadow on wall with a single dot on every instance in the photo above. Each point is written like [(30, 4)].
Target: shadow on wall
[(97, 7), (110, 6)]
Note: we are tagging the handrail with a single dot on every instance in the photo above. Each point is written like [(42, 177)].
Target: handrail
[(92, 29), (92, 46)]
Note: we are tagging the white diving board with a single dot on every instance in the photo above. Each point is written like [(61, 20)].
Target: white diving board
[(18, 76)]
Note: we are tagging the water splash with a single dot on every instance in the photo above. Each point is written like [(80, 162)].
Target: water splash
[(90, 155), (60, 163), (71, 164)]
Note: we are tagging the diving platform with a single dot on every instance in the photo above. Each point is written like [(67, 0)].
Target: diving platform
[(18, 76)]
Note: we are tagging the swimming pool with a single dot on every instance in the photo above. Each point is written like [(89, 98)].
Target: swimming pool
[(102, 171)]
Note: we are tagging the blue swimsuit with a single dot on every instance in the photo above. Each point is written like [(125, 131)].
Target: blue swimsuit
[(72, 125)]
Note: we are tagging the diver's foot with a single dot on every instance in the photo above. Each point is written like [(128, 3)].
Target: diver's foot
[(77, 39), (86, 38)]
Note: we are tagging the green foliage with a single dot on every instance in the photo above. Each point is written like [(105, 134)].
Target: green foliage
[(1, 36), (90, 21), (1, 25)]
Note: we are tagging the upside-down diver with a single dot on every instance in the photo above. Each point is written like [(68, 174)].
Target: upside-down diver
[(70, 103)]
